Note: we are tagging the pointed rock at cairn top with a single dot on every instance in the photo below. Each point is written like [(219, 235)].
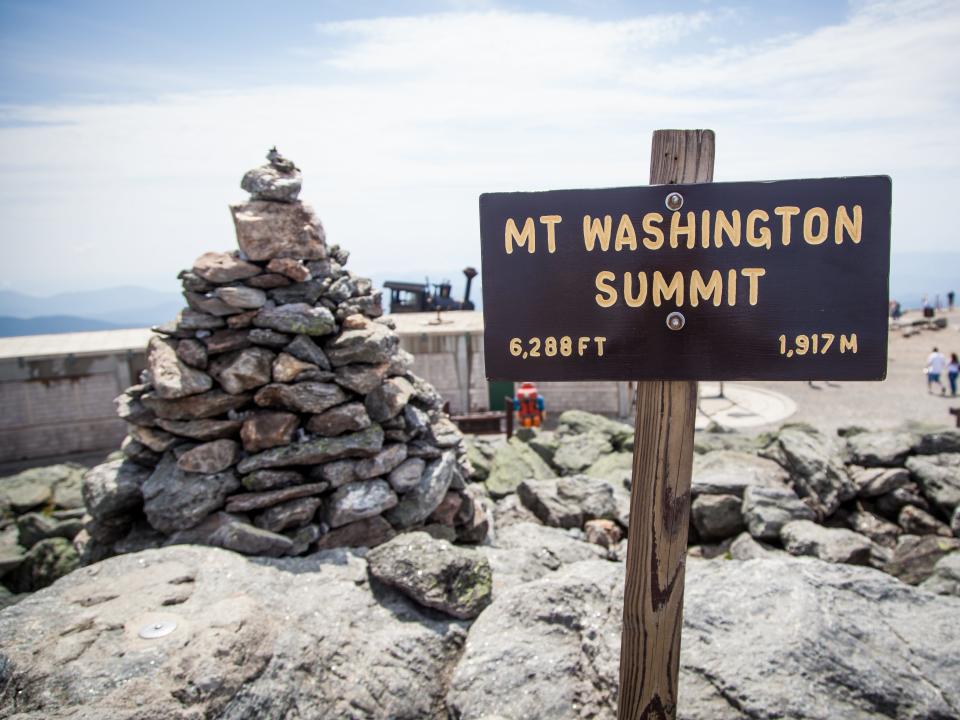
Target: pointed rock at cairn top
[(279, 180)]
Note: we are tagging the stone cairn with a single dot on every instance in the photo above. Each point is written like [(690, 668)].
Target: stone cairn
[(278, 414)]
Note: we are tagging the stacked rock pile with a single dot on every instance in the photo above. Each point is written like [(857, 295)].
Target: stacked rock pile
[(278, 412)]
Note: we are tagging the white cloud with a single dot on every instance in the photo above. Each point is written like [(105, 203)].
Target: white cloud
[(409, 119)]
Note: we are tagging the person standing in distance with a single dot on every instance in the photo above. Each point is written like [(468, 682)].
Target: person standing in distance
[(953, 369), (935, 365)]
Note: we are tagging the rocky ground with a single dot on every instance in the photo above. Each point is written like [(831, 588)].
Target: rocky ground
[(41, 512), (336, 635), (821, 583)]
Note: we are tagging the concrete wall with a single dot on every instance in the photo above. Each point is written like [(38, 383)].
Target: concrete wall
[(63, 404)]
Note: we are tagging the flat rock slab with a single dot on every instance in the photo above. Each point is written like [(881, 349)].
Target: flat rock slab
[(244, 502), (195, 407), (319, 450), (298, 637)]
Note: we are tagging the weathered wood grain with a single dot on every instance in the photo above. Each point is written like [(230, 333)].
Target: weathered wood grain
[(660, 502)]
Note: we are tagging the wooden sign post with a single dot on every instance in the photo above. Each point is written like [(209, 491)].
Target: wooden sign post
[(681, 281), (660, 493)]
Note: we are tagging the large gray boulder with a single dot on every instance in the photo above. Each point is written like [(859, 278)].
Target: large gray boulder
[(580, 422), (568, 502), (267, 230), (546, 649), (419, 502), (113, 489), (575, 453), (372, 344), (172, 378), (616, 468), (827, 653), (525, 551), (174, 499), (767, 509), (816, 467), (915, 556), (935, 442), (945, 579), (880, 449), (873, 482), (454, 580), (298, 637), (939, 478), (32, 488), (838, 545), (717, 517), (730, 472), (514, 462)]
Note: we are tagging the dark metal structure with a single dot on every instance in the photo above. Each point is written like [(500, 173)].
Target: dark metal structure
[(427, 297)]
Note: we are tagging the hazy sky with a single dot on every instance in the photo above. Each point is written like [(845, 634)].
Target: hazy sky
[(125, 126)]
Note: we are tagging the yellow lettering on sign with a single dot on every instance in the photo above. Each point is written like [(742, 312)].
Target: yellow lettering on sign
[(551, 221), (786, 212), (700, 289), (853, 226), (662, 290), (820, 215), (654, 238), (754, 275), (626, 234), (525, 237), (594, 231), (609, 297), (688, 229), (730, 228), (754, 238), (641, 297)]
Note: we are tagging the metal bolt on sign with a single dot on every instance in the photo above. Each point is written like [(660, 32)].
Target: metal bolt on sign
[(158, 629), (674, 201), (676, 321)]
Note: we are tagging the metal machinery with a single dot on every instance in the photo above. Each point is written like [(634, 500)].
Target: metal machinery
[(427, 297)]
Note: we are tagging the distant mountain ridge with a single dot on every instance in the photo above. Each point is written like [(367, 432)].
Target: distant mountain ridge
[(116, 304), (54, 324), (912, 275)]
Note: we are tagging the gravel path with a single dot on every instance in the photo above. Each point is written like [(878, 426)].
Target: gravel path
[(902, 396)]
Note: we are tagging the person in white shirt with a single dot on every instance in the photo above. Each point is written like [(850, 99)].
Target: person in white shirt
[(936, 362)]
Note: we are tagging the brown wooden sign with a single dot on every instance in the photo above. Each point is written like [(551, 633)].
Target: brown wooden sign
[(779, 280)]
